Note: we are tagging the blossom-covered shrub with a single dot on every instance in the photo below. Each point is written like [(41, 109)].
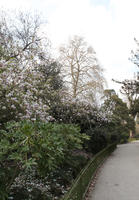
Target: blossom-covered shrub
[(90, 119), (20, 93), (22, 83)]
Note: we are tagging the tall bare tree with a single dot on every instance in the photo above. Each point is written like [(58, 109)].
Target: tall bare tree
[(82, 71)]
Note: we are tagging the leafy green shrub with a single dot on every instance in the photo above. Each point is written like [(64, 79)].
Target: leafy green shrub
[(76, 163), (97, 141), (32, 186), (120, 122), (25, 145)]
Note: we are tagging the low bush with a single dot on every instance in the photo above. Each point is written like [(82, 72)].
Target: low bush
[(26, 145)]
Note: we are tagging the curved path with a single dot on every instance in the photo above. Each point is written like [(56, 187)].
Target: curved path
[(119, 177)]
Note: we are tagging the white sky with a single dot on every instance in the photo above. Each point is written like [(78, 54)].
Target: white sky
[(108, 25)]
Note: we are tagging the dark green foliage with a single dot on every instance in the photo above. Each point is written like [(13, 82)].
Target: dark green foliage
[(51, 71), (135, 107), (130, 89), (98, 140), (75, 163), (25, 145), (121, 122), (88, 118), (32, 186)]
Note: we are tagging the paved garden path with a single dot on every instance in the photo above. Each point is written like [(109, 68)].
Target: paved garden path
[(119, 177)]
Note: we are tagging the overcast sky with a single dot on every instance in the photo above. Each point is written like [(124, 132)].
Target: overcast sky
[(108, 25)]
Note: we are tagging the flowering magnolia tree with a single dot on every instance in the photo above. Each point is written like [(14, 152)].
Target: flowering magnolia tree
[(30, 79), (23, 84), (21, 93)]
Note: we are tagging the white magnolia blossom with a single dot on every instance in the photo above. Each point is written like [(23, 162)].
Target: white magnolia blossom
[(20, 93)]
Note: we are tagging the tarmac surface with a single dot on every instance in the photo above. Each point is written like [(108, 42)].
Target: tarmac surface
[(119, 177)]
